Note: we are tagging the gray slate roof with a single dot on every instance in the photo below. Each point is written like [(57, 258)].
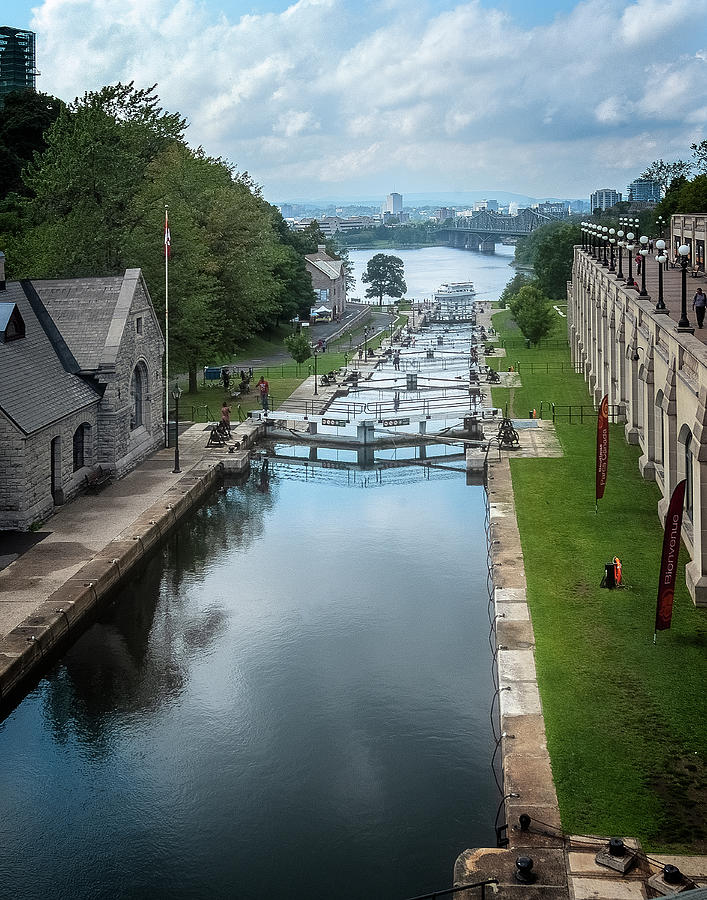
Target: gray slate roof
[(35, 388), (83, 310)]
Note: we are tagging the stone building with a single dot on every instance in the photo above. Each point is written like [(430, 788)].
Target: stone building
[(80, 386), (328, 281), (655, 376)]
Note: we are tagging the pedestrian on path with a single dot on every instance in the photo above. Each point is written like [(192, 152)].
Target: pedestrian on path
[(226, 418), (264, 389), (699, 302)]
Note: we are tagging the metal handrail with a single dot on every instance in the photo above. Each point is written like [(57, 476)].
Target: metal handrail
[(455, 890)]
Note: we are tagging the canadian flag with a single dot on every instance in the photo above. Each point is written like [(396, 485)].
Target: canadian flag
[(167, 237)]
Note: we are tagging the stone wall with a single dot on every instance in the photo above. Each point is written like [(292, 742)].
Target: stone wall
[(631, 352), (26, 495), (140, 344)]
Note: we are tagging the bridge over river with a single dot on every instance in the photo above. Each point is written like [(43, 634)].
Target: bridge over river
[(485, 229)]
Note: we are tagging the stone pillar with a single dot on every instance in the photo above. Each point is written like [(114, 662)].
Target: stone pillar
[(670, 451), (696, 569), (646, 463)]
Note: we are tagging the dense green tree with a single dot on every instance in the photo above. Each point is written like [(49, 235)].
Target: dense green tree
[(298, 346), (518, 281), (384, 277), (532, 312), (549, 250), (26, 117)]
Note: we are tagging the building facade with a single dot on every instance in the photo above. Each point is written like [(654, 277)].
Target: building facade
[(692, 231), (328, 281), (656, 381), (604, 198), (644, 190), (393, 204), (18, 70), (80, 386)]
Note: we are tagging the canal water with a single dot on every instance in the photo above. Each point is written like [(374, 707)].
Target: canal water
[(291, 700)]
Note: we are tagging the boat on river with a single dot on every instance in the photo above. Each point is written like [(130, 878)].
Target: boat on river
[(455, 290)]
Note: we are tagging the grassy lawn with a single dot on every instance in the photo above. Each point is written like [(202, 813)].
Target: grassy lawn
[(626, 723)]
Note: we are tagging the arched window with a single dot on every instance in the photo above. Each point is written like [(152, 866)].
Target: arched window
[(80, 436), (137, 397)]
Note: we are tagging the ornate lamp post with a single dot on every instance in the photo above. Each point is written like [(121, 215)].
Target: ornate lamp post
[(316, 390), (365, 341), (629, 250), (660, 224), (612, 241), (620, 243), (661, 259), (684, 323), (176, 393), (644, 253)]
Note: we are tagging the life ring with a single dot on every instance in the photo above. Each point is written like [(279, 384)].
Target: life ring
[(617, 570)]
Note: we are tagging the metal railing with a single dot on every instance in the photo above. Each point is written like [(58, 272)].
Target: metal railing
[(448, 892), (578, 414), (546, 368)]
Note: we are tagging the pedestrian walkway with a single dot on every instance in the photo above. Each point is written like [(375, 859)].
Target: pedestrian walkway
[(81, 530)]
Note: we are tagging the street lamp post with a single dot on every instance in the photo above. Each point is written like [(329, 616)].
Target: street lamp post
[(661, 259), (660, 225), (629, 250), (612, 241), (176, 393), (604, 241), (365, 342), (620, 245), (316, 391), (684, 323), (644, 254)]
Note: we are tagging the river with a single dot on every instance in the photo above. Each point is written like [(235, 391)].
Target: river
[(428, 267)]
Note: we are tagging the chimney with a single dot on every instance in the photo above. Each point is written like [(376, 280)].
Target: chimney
[(2, 271)]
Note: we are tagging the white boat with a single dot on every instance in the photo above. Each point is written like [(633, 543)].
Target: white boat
[(455, 290)]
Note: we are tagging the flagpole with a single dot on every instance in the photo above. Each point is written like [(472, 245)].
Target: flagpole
[(166, 325)]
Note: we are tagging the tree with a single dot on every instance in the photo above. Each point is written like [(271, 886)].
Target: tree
[(553, 259), (298, 346), (518, 281), (532, 313), (665, 173), (699, 152), (384, 277), (26, 117)]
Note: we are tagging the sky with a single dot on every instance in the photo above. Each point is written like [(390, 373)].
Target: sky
[(352, 99)]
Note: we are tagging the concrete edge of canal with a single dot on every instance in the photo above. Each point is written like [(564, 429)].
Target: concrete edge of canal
[(28, 647)]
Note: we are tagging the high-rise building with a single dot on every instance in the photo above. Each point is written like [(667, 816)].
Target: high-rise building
[(17, 60), (393, 204), (604, 198), (645, 190)]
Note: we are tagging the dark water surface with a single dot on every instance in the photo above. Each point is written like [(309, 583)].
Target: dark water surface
[(292, 701)]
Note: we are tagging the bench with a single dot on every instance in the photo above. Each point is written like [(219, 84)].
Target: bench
[(97, 479)]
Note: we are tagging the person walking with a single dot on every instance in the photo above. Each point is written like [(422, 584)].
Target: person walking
[(226, 377), (699, 302), (226, 418), (264, 389)]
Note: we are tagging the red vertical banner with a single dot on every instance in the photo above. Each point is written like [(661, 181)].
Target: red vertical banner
[(602, 446), (669, 561)]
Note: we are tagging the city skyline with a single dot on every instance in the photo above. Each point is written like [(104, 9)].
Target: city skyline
[(328, 98)]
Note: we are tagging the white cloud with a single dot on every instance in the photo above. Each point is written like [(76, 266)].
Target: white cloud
[(332, 97)]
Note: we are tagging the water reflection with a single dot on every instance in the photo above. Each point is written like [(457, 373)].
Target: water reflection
[(298, 683)]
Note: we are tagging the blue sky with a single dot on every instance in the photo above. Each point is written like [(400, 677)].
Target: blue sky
[(344, 99)]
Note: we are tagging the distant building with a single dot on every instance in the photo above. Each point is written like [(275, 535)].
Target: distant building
[(328, 281), (444, 213), (330, 225), (18, 70), (644, 190), (604, 198), (490, 205), (393, 204), (512, 208), (579, 206), (287, 210)]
